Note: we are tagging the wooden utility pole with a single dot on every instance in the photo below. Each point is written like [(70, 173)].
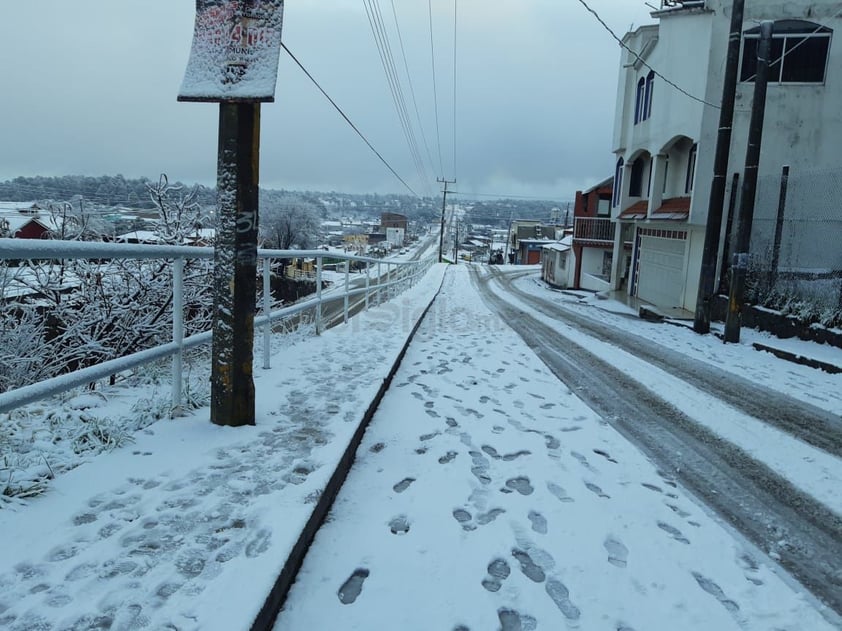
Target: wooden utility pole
[(235, 265), (707, 274), (234, 61), (739, 268), (443, 204)]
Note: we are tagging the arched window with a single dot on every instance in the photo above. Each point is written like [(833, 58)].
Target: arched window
[(639, 100), (799, 52), (636, 178), (647, 99), (618, 183)]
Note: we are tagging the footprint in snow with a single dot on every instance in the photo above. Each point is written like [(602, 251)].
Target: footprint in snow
[(652, 487), (605, 455), (520, 484), (352, 587), (558, 492), (448, 457), (490, 516), (560, 595), (582, 460), (498, 571), (511, 620), (399, 525), (403, 485), (716, 591), (464, 519), (539, 522), (530, 569), (597, 490), (678, 511), (618, 554), (672, 530)]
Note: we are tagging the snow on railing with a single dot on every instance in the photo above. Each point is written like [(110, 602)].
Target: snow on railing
[(379, 287)]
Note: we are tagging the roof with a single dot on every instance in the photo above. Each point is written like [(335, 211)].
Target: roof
[(674, 208), (636, 210), (557, 247), (609, 181)]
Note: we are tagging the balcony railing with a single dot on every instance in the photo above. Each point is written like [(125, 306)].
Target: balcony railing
[(594, 229)]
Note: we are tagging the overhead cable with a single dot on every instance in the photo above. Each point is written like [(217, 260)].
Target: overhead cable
[(348, 120), (411, 88), (435, 90), (640, 59), (381, 40)]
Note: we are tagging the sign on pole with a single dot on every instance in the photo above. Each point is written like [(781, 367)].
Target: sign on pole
[(234, 57), (234, 61)]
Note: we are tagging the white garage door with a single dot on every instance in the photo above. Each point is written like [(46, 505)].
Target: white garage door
[(661, 271)]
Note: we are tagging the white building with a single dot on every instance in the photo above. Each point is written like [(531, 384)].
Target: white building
[(558, 263), (664, 138), (395, 236)]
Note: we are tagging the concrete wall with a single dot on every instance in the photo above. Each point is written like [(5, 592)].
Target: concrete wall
[(591, 270)]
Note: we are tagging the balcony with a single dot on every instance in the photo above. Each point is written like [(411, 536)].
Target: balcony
[(593, 230)]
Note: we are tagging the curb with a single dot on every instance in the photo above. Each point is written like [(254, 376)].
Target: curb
[(799, 359), (265, 620)]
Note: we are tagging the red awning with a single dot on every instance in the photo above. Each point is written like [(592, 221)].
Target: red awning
[(636, 210), (674, 208)]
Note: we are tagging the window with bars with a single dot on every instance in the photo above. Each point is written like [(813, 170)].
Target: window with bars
[(799, 54)]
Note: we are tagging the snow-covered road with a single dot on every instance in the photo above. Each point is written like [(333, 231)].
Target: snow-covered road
[(486, 494)]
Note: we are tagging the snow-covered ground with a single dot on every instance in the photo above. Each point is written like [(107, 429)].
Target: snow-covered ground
[(485, 495), (187, 524)]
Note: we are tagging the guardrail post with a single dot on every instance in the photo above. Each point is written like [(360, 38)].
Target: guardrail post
[(177, 333), (267, 310), (347, 288), (319, 295), (367, 284), (379, 282)]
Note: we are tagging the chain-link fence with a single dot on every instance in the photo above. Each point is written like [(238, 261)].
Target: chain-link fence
[(795, 263)]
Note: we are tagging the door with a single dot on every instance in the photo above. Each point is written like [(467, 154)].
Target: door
[(661, 271)]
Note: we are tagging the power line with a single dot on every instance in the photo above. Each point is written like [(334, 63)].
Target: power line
[(411, 88), (348, 120), (381, 39), (641, 60), (455, 28), (435, 91)]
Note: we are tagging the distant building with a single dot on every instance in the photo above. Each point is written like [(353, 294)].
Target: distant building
[(394, 220), (527, 237), (395, 236), (593, 238)]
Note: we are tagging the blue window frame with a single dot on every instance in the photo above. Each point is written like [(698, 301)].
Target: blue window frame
[(618, 183), (691, 170), (647, 99), (639, 100)]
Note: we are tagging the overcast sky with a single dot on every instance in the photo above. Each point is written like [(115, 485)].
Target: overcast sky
[(89, 87)]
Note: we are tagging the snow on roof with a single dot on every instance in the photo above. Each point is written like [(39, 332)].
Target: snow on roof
[(147, 236), (557, 247)]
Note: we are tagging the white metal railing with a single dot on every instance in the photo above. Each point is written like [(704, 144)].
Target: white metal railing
[(599, 229), (379, 287)]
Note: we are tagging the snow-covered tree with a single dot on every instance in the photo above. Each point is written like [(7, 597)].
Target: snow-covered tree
[(289, 221), (76, 313)]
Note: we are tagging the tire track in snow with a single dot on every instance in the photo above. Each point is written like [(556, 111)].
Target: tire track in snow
[(797, 531)]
